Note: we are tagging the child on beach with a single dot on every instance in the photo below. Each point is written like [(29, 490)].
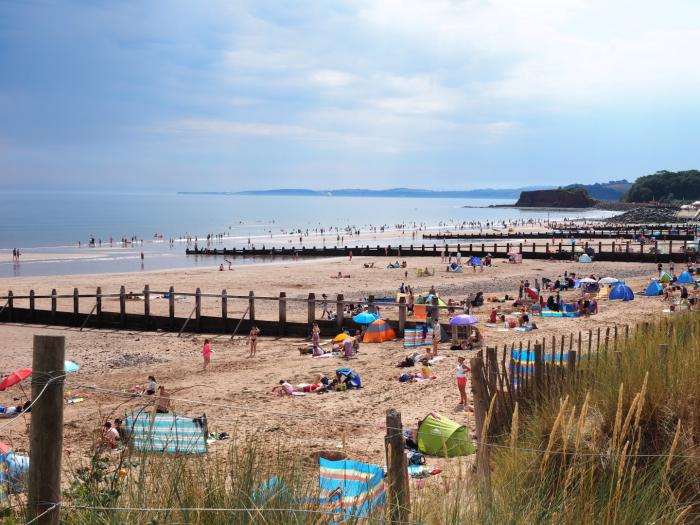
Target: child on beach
[(206, 353), (253, 338), (461, 375)]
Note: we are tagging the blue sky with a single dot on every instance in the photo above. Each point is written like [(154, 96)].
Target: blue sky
[(175, 95)]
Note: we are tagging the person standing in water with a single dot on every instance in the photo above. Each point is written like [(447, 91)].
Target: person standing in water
[(253, 339), (206, 353)]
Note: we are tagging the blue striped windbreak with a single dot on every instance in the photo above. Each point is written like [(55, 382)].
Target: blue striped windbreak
[(166, 433), (354, 490)]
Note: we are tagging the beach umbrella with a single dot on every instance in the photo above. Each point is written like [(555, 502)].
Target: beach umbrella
[(340, 337), (532, 294), (15, 377), (463, 320), (365, 318), (587, 280), (608, 280), (475, 261), (378, 331), (70, 366)]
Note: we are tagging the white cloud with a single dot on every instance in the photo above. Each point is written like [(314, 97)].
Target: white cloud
[(332, 78)]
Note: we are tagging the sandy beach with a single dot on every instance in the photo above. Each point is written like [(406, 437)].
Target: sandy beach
[(240, 388)]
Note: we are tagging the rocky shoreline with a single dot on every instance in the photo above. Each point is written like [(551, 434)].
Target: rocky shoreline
[(649, 215)]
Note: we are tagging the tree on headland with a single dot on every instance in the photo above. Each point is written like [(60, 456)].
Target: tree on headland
[(665, 186)]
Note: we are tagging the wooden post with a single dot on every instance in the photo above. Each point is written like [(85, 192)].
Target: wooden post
[(147, 305), (539, 367), (340, 311), (483, 467), (46, 433), (251, 306), (98, 306), (198, 310), (171, 307), (76, 306), (224, 311), (53, 304), (402, 316), (571, 365), (311, 313), (397, 469), (122, 306), (370, 303), (32, 305), (283, 313), (492, 368)]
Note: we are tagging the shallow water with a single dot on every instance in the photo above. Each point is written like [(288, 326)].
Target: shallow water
[(41, 223)]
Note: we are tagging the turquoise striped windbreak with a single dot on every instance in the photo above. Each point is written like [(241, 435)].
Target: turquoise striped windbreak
[(354, 490), (167, 433)]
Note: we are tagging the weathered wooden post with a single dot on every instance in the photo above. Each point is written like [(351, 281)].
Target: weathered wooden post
[(397, 470), (224, 311), (492, 368), (198, 310), (340, 311), (311, 313), (98, 306), (282, 303), (402, 316), (483, 467), (571, 365), (539, 367), (122, 306), (76, 306), (147, 306), (251, 306), (46, 431), (53, 305), (171, 307), (32, 305)]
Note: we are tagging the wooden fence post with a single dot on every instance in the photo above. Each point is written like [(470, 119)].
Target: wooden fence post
[(397, 469), (571, 365), (282, 304), (311, 307), (224, 311), (76, 306), (122, 306), (251, 306), (98, 306), (539, 367), (483, 467), (491, 368), (171, 307), (46, 432), (340, 311), (32, 305), (147, 305), (402, 316), (198, 310)]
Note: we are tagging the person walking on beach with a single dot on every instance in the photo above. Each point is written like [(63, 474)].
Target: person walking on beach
[(253, 339), (324, 306), (206, 353), (437, 335), (461, 375)]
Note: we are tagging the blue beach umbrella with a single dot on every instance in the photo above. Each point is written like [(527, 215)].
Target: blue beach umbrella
[(365, 318)]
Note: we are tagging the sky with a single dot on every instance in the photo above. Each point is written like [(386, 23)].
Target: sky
[(441, 94)]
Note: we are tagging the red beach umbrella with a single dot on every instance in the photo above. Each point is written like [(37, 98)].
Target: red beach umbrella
[(15, 377)]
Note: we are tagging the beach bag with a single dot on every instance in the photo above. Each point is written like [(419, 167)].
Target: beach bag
[(416, 459), (404, 378)]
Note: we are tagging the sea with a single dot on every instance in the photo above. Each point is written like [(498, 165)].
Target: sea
[(47, 227)]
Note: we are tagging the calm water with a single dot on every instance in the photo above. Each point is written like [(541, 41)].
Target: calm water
[(53, 223)]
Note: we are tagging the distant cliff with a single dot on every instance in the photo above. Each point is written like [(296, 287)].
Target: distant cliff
[(561, 198)]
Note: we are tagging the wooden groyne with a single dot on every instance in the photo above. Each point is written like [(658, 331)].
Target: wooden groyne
[(196, 322), (627, 251)]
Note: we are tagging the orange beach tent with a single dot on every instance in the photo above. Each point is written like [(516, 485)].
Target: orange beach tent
[(378, 332)]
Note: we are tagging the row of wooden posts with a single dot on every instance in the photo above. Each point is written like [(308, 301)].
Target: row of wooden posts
[(196, 321), (615, 251)]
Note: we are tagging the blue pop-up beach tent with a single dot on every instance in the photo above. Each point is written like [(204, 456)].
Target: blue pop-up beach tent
[(654, 288), (621, 292), (685, 278)]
